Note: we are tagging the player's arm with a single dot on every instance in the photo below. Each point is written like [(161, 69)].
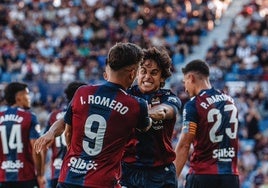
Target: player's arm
[(183, 147), (145, 122), (39, 163), (68, 135), (46, 140), (161, 112)]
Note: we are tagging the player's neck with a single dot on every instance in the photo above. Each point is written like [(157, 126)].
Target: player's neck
[(121, 78), (203, 86)]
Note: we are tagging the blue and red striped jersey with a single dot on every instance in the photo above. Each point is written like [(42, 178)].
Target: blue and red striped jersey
[(102, 118), (216, 142), (59, 147), (154, 147), (17, 128)]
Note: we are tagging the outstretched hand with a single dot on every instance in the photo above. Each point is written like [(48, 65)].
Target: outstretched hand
[(44, 142), (157, 113)]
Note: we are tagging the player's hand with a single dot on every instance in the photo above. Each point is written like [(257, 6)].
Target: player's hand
[(44, 142), (157, 113), (41, 181)]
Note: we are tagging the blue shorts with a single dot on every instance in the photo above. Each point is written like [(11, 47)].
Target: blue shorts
[(53, 183), (68, 185), (212, 181), (19, 184), (156, 177)]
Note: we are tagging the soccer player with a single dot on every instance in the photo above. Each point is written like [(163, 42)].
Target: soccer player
[(148, 157), (101, 119), (20, 166), (59, 146), (209, 123)]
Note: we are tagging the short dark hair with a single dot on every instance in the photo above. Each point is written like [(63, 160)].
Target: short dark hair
[(11, 91), (124, 54), (71, 89), (196, 66)]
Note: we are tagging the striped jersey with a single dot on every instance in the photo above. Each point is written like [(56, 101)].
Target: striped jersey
[(17, 128), (102, 118), (216, 142), (59, 147), (154, 147)]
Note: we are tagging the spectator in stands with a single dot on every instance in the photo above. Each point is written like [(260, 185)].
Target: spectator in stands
[(252, 120), (29, 70)]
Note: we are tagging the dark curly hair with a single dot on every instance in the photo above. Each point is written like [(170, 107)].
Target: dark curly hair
[(162, 59)]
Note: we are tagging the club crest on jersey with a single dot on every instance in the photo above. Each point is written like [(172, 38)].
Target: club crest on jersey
[(155, 101)]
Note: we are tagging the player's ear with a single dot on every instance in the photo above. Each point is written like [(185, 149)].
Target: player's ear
[(133, 74), (192, 77)]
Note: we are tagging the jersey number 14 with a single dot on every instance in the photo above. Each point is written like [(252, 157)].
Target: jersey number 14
[(14, 141)]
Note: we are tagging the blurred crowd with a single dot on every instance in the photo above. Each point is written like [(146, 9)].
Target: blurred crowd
[(50, 43)]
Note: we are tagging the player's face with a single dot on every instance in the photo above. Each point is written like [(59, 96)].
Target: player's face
[(23, 99), (149, 77)]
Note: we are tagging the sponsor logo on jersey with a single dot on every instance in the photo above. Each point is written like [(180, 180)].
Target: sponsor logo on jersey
[(80, 166), (224, 154), (12, 166), (157, 125)]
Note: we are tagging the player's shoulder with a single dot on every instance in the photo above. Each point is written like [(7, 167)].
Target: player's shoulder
[(137, 98), (191, 102), (3, 108), (57, 113), (27, 113), (85, 87), (133, 90), (166, 91)]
